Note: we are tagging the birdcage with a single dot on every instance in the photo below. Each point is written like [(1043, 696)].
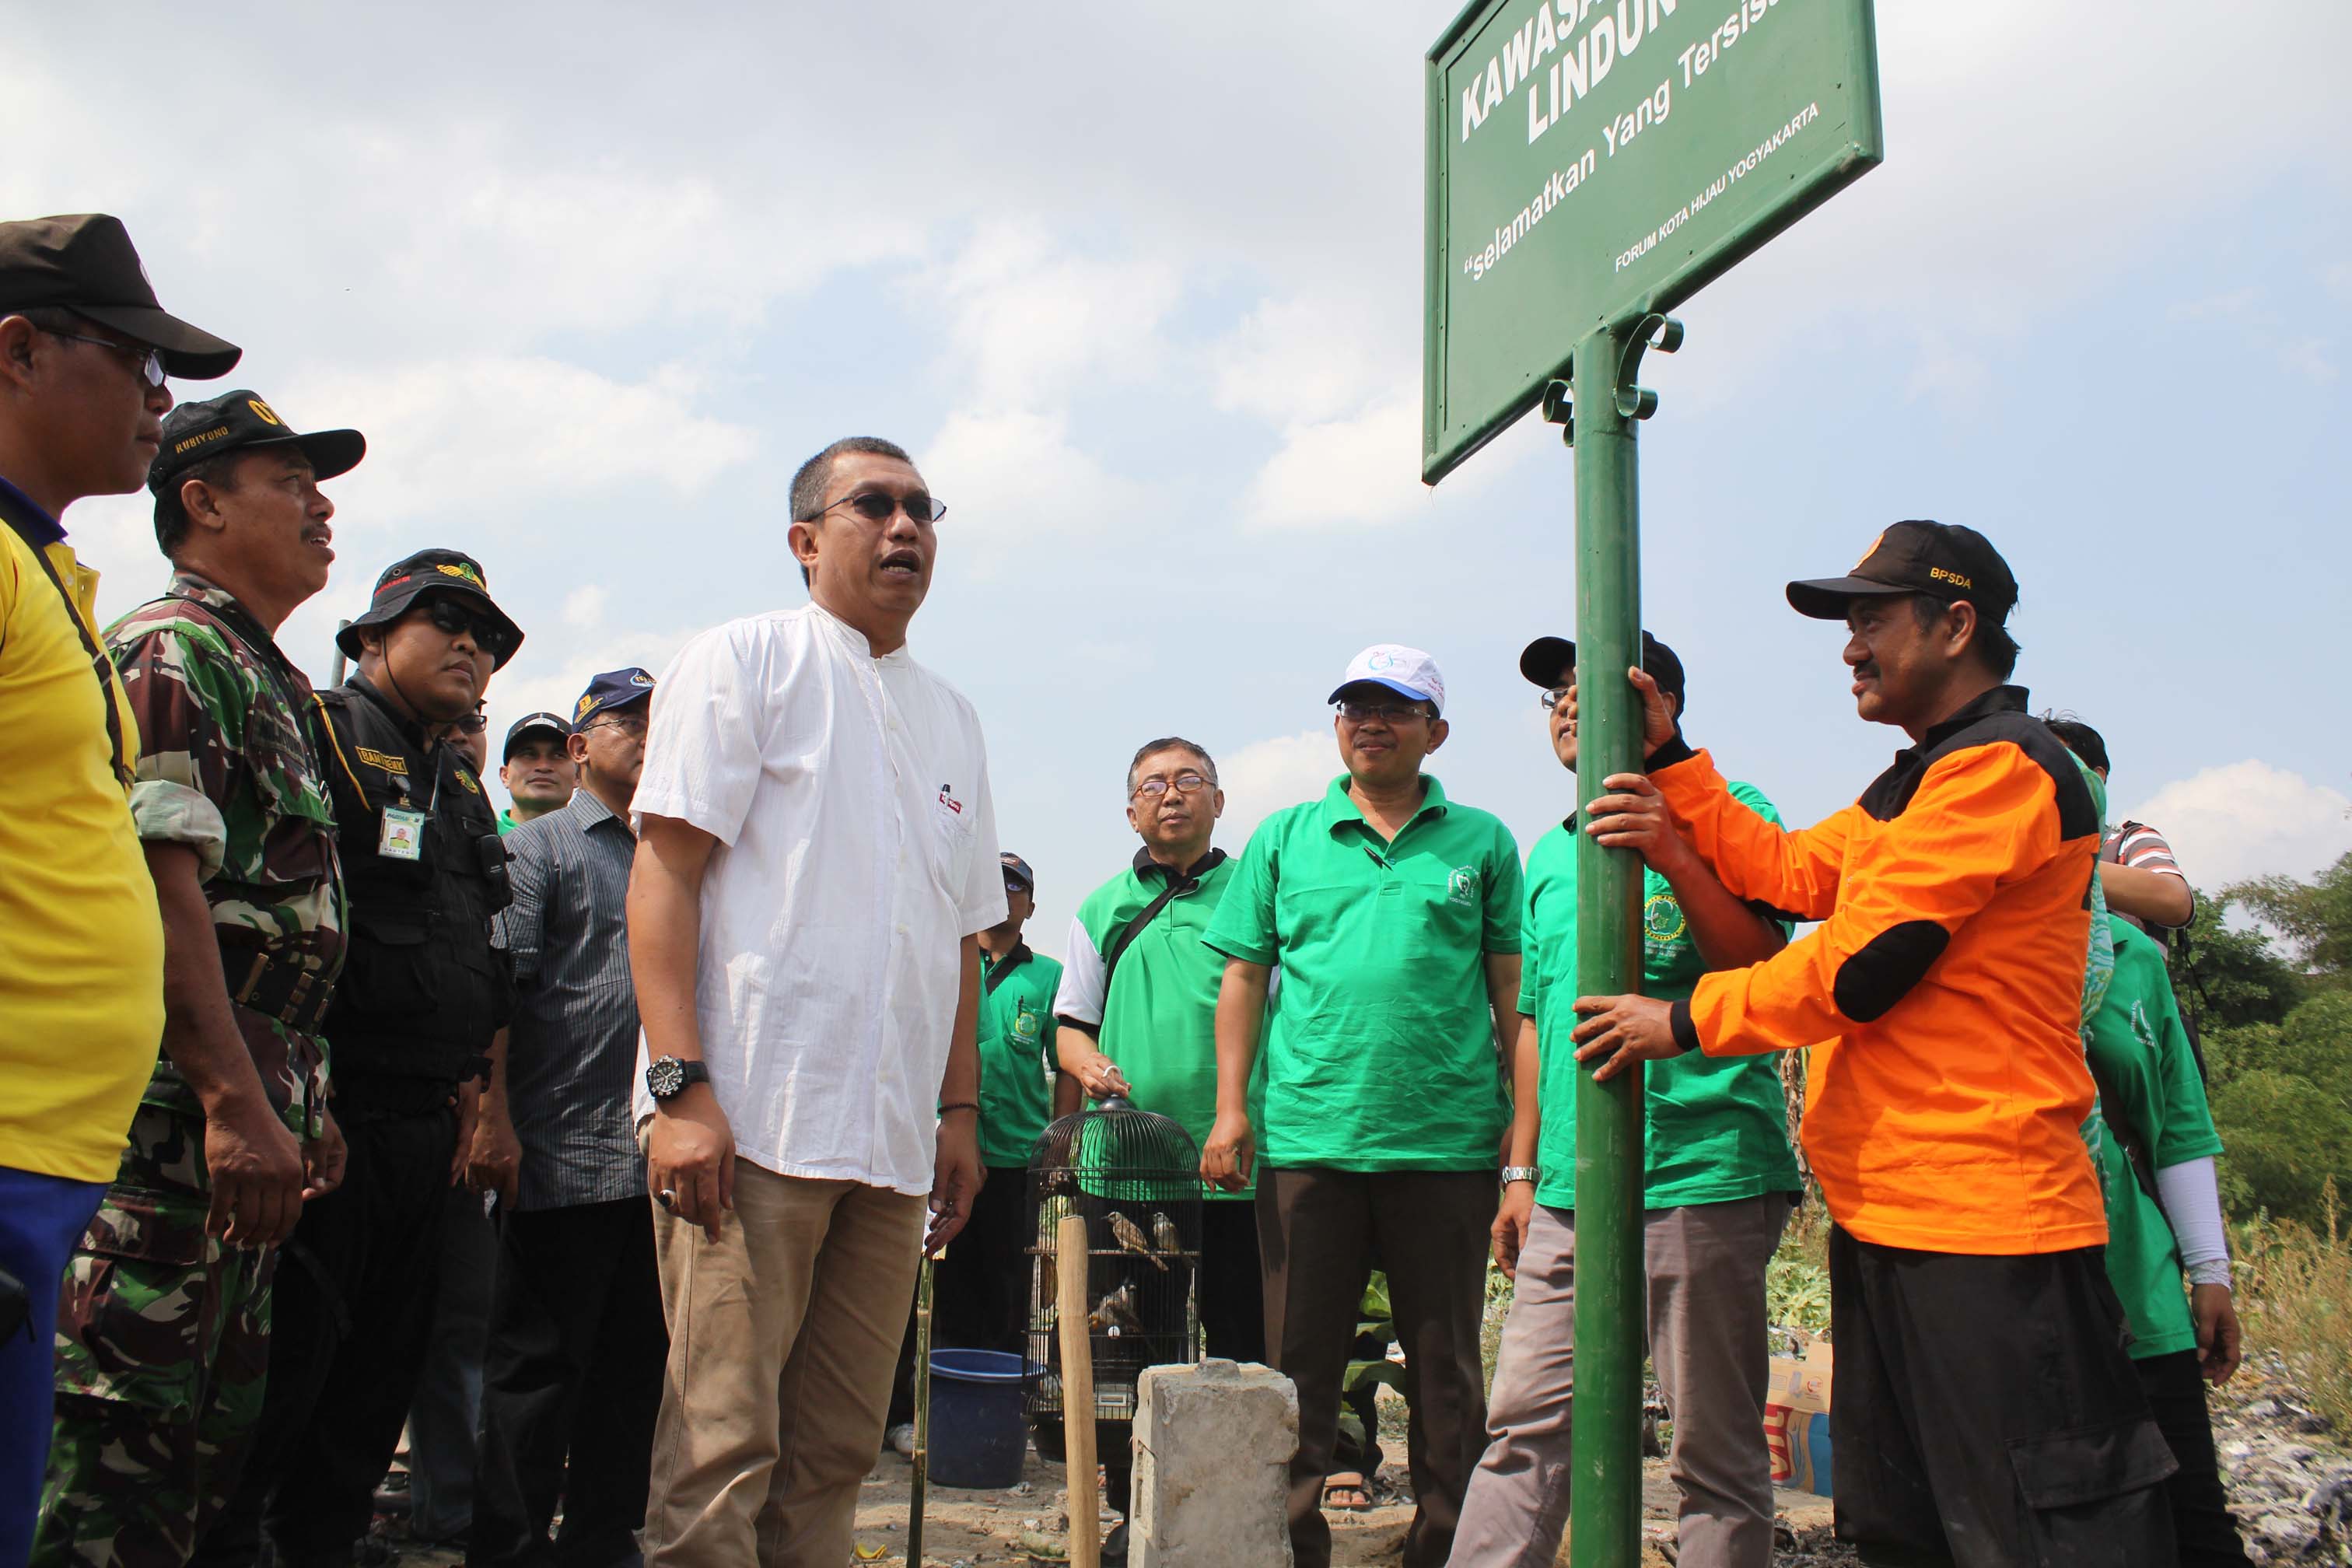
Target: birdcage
[(1134, 1176)]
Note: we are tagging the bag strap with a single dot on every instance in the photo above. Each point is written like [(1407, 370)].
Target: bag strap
[(995, 975), (1134, 928), (100, 666)]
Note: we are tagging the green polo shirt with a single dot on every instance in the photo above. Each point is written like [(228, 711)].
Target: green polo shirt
[(1016, 1054), (1379, 1052), (1717, 1126), (2142, 1053), (506, 822), (1158, 1022)]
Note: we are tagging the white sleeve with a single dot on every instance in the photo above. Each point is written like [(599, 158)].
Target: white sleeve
[(981, 904), (703, 738), (1080, 999), (2192, 1202)]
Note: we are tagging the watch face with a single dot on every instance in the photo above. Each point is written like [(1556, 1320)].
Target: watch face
[(664, 1077)]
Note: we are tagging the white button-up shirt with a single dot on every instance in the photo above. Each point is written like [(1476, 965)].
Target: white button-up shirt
[(856, 849)]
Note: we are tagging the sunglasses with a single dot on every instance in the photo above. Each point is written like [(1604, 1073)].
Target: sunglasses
[(489, 634), (879, 506)]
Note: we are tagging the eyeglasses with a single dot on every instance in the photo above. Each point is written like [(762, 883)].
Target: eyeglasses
[(1185, 784), (1552, 699), (148, 363), (880, 505), (630, 724), (1386, 712), (489, 635)]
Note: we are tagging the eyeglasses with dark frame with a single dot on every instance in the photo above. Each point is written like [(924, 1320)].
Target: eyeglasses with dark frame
[(1356, 712), (1185, 784), (630, 724), (147, 362), (880, 505), (1552, 699)]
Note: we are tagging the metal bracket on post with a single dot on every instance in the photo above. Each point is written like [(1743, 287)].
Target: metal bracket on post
[(1557, 409), (1654, 330)]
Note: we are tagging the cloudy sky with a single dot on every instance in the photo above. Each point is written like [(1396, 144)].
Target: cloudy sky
[(1140, 287)]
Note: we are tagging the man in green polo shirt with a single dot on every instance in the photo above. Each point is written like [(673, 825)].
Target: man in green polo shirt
[(1138, 1007), (1717, 1183), (537, 769), (981, 1291), (1395, 915)]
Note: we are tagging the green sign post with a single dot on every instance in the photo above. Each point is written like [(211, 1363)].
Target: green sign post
[(1591, 164)]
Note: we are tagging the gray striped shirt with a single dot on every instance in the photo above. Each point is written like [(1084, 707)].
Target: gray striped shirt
[(571, 1051)]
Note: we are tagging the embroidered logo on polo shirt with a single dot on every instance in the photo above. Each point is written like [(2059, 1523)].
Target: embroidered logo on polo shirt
[(1026, 1025), (1462, 888), (1662, 920)]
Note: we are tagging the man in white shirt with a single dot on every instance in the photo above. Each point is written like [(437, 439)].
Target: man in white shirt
[(816, 856)]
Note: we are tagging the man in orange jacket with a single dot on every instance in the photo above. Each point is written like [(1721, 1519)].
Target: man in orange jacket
[(1985, 1412)]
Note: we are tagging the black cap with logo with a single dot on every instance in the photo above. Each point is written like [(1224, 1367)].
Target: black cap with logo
[(1016, 871), (451, 572), (1542, 661), (84, 262), (532, 723), (614, 688), (233, 421), (1941, 560)]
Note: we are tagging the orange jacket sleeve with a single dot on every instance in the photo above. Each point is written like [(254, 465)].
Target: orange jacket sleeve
[(1981, 818), (1795, 871)]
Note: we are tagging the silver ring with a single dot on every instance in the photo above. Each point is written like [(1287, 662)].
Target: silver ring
[(666, 1197)]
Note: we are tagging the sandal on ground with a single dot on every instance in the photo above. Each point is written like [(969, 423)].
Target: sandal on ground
[(1337, 1487)]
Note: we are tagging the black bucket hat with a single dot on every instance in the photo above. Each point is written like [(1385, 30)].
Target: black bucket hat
[(234, 421), (451, 572), (84, 262)]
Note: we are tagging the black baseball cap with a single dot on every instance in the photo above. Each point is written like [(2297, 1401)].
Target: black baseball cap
[(1542, 661), (233, 421), (1017, 869), (84, 262), (1941, 560), (431, 571), (530, 723), (614, 688)]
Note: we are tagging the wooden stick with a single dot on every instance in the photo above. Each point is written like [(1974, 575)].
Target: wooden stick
[(915, 1498), (1077, 1392)]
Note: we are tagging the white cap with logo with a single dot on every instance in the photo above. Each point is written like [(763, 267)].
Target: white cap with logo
[(1407, 672)]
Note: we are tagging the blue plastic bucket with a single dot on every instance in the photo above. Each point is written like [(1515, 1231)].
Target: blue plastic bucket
[(977, 1437)]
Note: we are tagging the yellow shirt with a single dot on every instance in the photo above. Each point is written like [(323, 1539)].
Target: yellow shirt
[(81, 942)]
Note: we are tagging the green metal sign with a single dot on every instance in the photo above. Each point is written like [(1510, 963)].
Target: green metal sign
[(1594, 161)]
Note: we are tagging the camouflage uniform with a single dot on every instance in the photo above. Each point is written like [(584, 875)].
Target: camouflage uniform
[(162, 1331)]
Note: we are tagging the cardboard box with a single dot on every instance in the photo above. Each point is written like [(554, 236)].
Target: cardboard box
[(1797, 1418)]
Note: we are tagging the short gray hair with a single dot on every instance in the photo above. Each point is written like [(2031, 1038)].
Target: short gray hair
[(1169, 743)]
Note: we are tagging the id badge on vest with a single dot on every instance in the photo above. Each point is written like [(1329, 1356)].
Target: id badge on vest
[(404, 833)]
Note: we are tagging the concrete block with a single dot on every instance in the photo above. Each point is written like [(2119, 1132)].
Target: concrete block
[(1212, 1450)]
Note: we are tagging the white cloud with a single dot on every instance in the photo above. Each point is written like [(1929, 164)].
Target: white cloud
[(2250, 819), (583, 607), (1266, 775), (470, 434), (2308, 358), (1032, 324), (1362, 469), (1316, 354), (1018, 476)]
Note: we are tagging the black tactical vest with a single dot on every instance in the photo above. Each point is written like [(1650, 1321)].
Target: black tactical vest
[(422, 992)]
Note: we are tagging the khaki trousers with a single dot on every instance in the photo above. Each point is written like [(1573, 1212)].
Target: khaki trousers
[(782, 1334), (1706, 1265)]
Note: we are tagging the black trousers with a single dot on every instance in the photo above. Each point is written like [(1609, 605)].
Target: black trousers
[(572, 1377), (353, 1306), (1985, 1416), (1230, 1284), (1321, 1233), (2207, 1531)]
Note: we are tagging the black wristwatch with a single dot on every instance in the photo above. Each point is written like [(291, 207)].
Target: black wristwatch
[(666, 1077)]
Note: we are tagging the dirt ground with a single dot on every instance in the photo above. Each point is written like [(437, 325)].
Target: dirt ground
[(1026, 1525)]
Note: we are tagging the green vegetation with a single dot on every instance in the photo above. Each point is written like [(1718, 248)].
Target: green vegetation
[(2295, 1296), (2277, 1031)]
